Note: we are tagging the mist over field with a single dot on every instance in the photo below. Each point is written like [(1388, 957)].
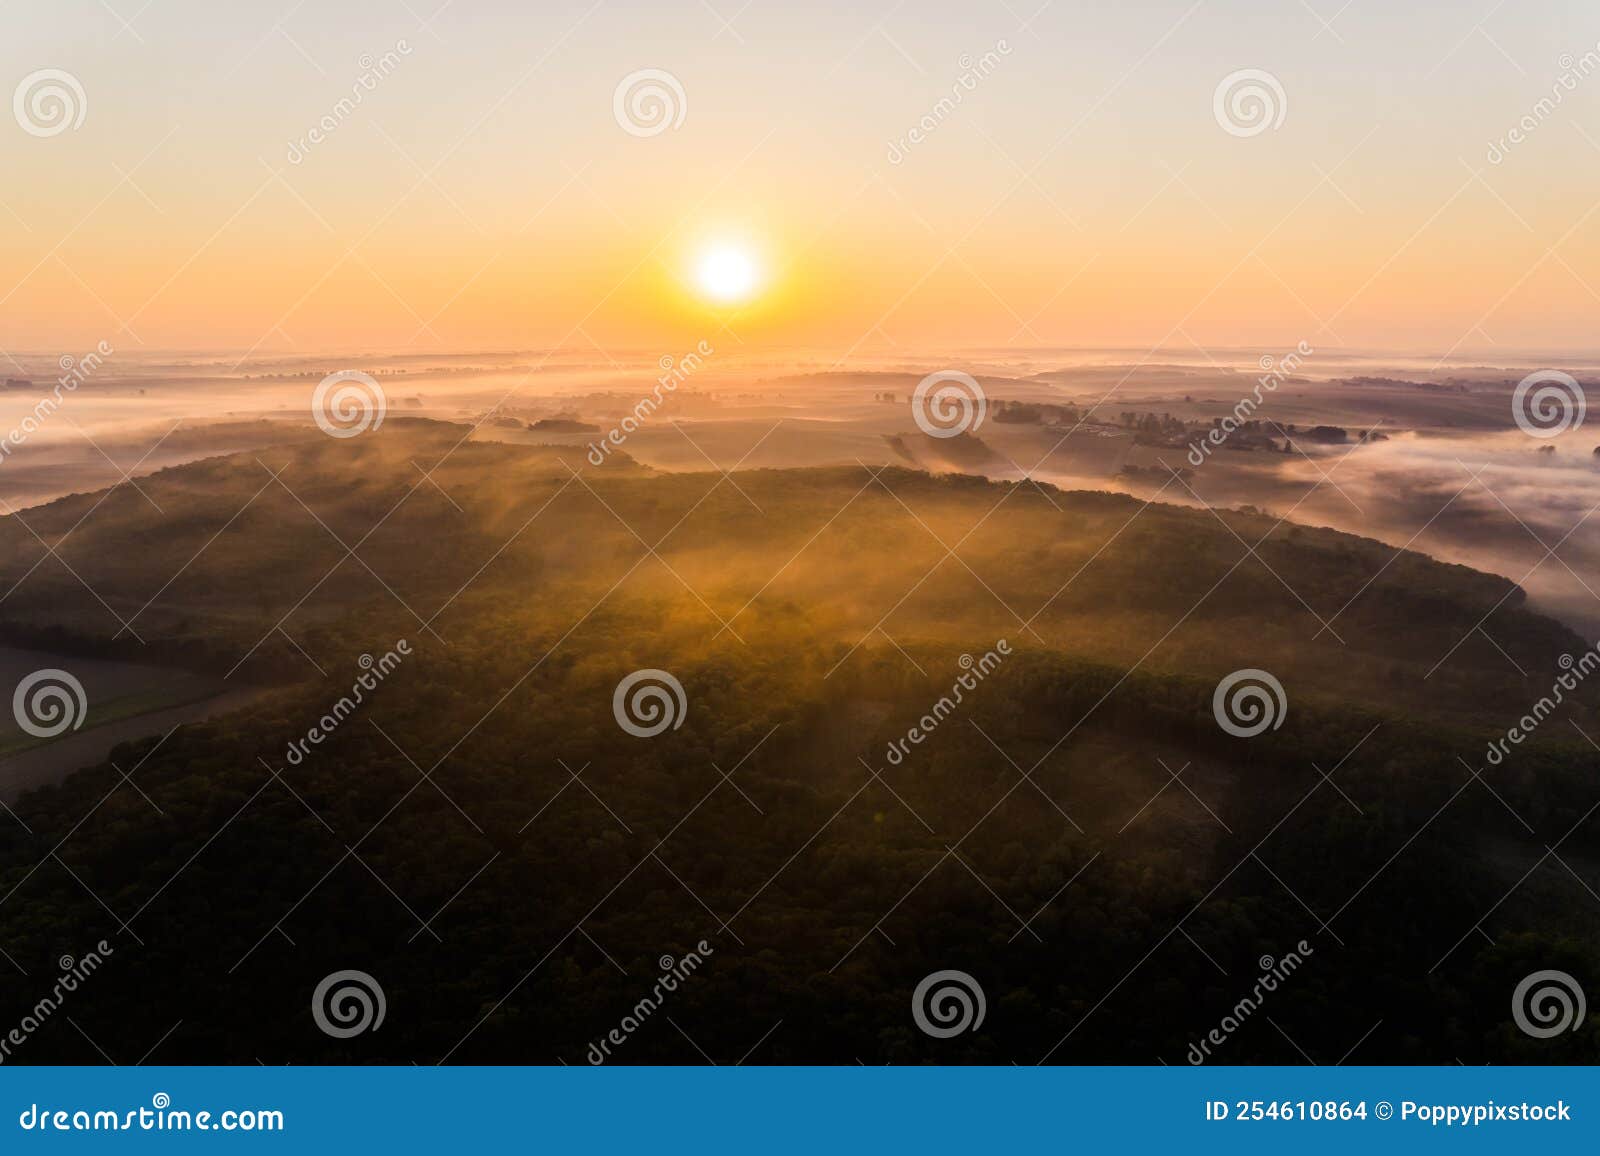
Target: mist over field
[(1452, 476)]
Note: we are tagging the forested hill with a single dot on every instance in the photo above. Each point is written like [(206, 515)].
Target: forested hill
[(334, 539), (1078, 833)]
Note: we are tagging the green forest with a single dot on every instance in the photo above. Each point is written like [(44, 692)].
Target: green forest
[(1078, 834)]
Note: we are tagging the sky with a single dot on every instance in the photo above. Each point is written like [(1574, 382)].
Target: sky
[(1084, 191)]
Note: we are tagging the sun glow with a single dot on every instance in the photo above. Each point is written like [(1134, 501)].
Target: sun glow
[(728, 274)]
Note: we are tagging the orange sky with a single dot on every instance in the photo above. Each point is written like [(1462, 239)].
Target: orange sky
[(1082, 191)]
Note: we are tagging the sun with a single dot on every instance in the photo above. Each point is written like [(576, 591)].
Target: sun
[(728, 274)]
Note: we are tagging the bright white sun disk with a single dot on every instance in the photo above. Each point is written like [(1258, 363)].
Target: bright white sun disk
[(727, 274)]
